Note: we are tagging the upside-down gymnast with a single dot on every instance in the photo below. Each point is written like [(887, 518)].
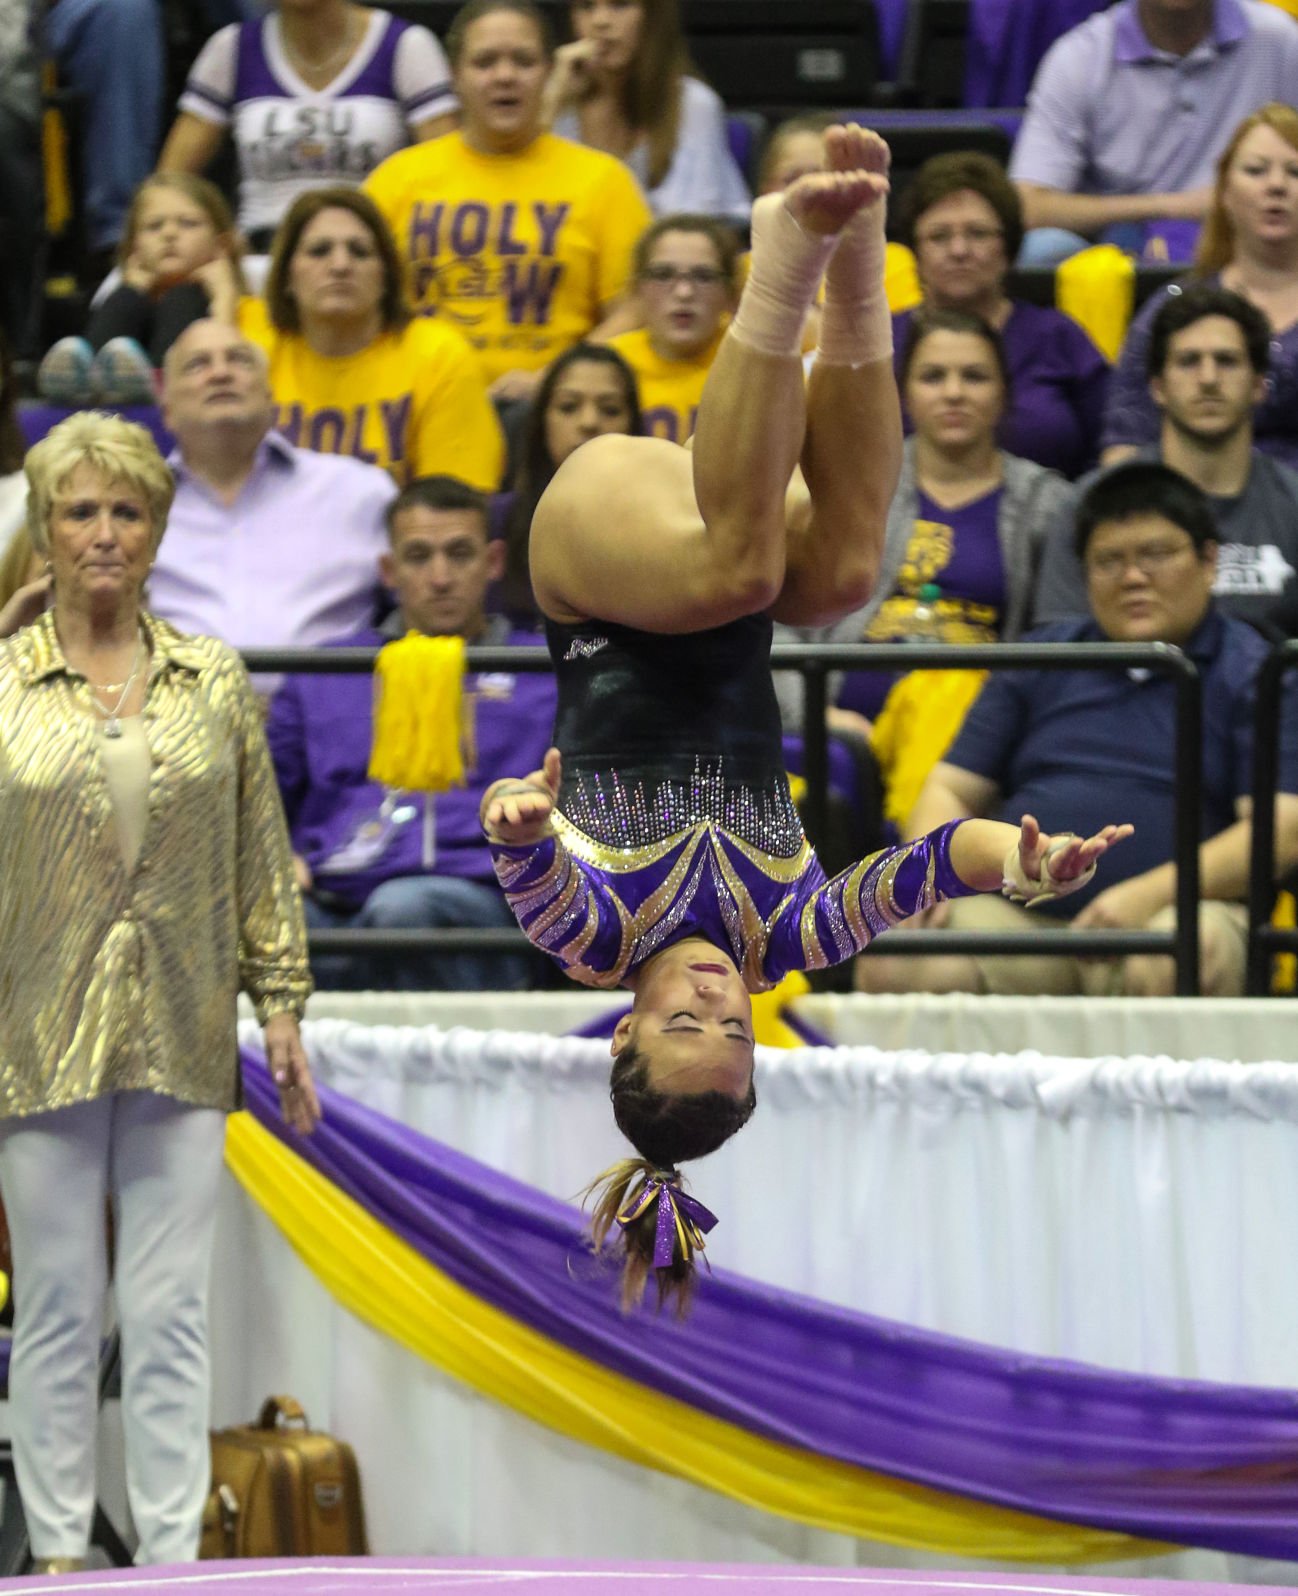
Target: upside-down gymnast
[(663, 852)]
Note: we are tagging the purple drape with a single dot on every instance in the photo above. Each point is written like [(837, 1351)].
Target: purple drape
[(1170, 1460)]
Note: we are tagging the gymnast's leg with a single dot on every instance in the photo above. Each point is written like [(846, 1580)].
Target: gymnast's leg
[(638, 531), (852, 450)]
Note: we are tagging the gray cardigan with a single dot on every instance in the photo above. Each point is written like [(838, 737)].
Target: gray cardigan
[(1034, 499)]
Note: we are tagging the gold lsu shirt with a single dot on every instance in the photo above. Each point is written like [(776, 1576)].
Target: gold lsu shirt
[(523, 254), (115, 982), (670, 390), (414, 401)]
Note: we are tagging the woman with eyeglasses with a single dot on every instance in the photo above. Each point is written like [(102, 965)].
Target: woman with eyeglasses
[(962, 217), (685, 269)]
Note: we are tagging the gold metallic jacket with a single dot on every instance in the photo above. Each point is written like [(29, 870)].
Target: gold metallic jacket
[(110, 982)]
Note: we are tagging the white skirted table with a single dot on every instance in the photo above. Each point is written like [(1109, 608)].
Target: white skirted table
[(1135, 1213)]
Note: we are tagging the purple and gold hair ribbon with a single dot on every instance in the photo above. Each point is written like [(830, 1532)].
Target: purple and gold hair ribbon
[(680, 1217)]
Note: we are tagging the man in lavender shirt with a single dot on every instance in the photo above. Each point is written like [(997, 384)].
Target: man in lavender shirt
[(267, 546), (370, 856), (1129, 111)]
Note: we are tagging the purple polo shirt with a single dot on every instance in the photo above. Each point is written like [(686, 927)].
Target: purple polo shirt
[(291, 563), (1110, 114), (320, 729), (1058, 384)]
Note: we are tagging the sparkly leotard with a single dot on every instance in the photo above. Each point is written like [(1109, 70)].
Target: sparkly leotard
[(675, 818)]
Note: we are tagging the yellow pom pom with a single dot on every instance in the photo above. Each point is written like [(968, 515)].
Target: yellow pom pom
[(419, 714)]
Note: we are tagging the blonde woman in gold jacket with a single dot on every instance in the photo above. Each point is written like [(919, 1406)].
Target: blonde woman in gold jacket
[(145, 876)]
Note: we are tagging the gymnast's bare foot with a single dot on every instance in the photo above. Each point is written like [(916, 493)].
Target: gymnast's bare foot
[(849, 147), (824, 202)]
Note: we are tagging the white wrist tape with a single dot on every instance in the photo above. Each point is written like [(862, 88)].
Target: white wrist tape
[(1019, 887), (855, 322), (787, 265)]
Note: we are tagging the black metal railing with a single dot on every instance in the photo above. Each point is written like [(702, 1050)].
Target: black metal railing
[(1264, 939), (814, 662)]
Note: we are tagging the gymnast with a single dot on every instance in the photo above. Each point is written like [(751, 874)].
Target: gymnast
[(663, 852)]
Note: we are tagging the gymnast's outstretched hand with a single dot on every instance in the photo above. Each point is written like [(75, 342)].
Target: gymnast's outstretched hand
[(1025, 863), (1052, 866), (517, 810)]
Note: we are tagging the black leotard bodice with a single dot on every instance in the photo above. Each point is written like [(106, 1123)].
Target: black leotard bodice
[(658, 699), (660, 731)]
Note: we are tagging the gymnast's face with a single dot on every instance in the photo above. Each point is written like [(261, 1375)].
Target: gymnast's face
[(693, 1020)]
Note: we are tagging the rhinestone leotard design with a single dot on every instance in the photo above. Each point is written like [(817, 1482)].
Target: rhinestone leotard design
[(675, 819)]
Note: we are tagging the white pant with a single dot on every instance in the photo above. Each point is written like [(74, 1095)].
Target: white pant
[(160, 1162)]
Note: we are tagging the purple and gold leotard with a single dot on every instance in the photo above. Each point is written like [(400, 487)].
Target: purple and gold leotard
[(675, 819)]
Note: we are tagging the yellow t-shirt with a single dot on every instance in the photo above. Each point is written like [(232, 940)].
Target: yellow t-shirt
[(670, 390), (414, 402), (522, 253)]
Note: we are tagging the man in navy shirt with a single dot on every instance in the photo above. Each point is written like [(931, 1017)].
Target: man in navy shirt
[(1081, 744), (368, 856)]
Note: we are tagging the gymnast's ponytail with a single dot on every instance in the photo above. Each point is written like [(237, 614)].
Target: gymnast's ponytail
[(640, 1203)]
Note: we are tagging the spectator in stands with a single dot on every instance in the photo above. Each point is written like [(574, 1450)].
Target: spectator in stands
[(961, 216), (21, 177), (1129, 111), (961, 549), (315, 94), (588, 391), (626, 85), (370, 856), (268, 546), (523, 240), (685, 273), (1249, 244), (1207, 369), (178, 262), (350, 370), (112, 55), (147, 879), (13, 483), (1102, 742), (793, 148)]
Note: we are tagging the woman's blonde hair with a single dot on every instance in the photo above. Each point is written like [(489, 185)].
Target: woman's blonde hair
[(118, 450), (1217, 239), (16, 565)]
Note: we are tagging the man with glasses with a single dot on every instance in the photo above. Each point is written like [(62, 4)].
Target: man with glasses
[(1049, 743), (685, 271), (1208, 356)]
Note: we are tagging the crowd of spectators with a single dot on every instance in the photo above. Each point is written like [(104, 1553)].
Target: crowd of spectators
[(372, 289)]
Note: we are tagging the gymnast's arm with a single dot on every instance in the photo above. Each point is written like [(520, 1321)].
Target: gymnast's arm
[(565, 908), (841, 917)]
